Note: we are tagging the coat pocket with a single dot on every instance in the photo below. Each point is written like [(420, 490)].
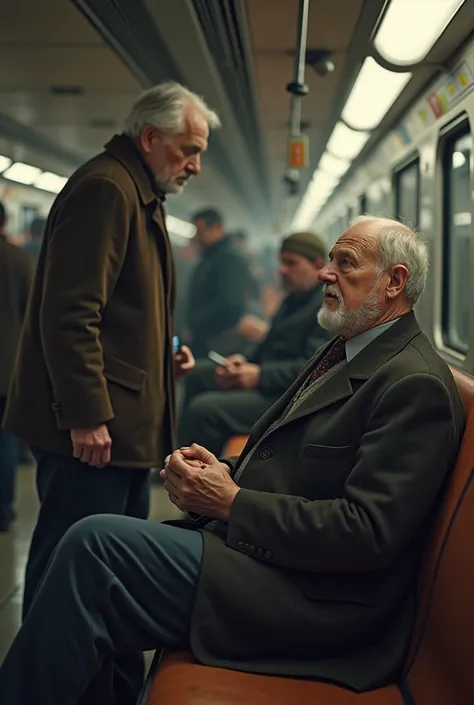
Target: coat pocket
[(321, 471), (124, 374), (312, 450)]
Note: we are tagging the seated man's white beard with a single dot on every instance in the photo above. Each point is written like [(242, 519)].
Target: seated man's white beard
[(349, 323)]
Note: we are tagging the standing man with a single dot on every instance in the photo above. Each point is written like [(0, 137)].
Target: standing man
[(16, 274), (93, 390), (219, 288)]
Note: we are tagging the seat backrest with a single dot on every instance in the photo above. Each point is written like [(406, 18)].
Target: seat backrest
[(440, 667), (235, 446)]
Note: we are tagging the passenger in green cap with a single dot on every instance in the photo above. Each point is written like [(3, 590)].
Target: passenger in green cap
[(223, 401)]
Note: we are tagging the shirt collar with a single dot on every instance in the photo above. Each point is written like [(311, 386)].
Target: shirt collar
[(356, 344)]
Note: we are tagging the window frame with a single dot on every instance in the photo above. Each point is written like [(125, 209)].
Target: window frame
[(461, 128), (409, 163)]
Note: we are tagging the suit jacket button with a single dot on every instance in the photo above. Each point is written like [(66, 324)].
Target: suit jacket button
[(268, 555), (259, 552), (241, 544), (265, 453), (252, 549)]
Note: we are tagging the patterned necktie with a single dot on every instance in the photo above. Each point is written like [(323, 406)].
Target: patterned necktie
[(335, 354)]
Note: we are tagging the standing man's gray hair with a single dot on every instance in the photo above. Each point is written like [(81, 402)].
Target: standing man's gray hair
[(401, 244), (163, 106)]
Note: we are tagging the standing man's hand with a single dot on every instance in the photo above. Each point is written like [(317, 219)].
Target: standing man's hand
[(92, 445), (184, 362)]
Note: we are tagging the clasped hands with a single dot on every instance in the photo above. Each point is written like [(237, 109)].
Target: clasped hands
[(197, 482)]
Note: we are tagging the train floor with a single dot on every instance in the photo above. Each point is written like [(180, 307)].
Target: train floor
[(14, 549)]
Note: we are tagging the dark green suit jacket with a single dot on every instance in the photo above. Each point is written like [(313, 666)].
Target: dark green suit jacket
[(315, 574)]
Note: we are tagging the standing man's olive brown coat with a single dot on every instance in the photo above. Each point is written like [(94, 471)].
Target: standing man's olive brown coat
[(96, 349), (97, 341)]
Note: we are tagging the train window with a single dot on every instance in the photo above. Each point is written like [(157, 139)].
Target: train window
[(378, 198), (407, 193), (457, 234)]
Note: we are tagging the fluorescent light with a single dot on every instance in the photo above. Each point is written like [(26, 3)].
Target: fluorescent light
[(334, 165), (319, 189), (374, 92), (4, 162), (410, 28), (180, 227), (346, 143), (22, 173), (50, 182)]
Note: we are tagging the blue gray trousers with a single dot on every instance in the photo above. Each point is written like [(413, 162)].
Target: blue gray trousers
[(115, 585)]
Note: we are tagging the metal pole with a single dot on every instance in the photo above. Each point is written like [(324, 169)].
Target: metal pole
[(298, 88), (300, 62)]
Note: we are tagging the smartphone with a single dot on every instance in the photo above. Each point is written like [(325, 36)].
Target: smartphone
[(176, 344), (218, 359)]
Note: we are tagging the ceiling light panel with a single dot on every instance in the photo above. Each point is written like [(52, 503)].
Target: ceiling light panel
[(4, 162), (180, 227), (410, 28), (22, 173), (374, 92), (346, 143), (47, 181)]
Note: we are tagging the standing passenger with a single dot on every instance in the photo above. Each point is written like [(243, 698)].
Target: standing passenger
[(93, 391), (218, 289), (16, 274)]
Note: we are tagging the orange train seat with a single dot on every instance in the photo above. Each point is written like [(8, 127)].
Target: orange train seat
[(235, 446), (439, 669)]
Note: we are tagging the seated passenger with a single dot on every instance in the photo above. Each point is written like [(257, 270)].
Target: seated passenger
[(312, 538), (210, 414)]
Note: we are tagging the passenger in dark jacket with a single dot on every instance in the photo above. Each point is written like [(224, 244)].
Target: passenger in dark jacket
[(16, 276), (222, 402), (219, 287)]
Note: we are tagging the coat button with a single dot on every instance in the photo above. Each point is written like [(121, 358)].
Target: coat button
[(259, 552), (265, 453), (241, 544), (268, 555), (252, 549)]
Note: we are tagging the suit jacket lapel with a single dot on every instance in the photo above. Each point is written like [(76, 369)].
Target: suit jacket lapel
[(275, 411), (332, 390), (338, 386)]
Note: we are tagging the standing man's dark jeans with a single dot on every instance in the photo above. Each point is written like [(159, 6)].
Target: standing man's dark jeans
[(115, 585), (210, 416), (9, 455), (70, 490)]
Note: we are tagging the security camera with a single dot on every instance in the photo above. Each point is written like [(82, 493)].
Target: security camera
[(320, 61)]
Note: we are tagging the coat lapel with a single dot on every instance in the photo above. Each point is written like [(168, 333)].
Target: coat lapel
[(336, 388), (339, 387)]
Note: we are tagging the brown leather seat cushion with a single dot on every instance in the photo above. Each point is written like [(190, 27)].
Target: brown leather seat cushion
[(182, 681), (235, 445), (441, 663)]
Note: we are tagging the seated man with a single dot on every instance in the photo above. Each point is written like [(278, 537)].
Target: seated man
[(220, 403), (312, 538)]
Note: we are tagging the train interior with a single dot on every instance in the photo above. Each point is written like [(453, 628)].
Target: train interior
[(379, 122)]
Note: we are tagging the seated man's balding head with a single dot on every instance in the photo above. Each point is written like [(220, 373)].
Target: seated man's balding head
[(377, 271)]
